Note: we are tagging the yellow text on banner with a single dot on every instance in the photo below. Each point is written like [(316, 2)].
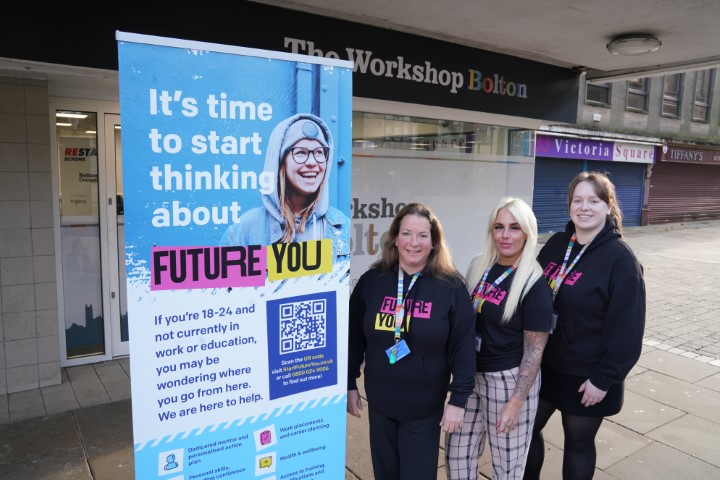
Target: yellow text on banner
[(299, 259)]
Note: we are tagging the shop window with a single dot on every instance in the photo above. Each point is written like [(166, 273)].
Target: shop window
[(394, 132), (672, 92), (703, 89), (637, 95), (598, 93)]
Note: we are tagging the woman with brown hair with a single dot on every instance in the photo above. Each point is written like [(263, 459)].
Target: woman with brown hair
[(412, 326), (599, 302)]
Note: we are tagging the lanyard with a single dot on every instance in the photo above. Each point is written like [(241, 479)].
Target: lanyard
[(400, 307), (479, 294), (556, 282)]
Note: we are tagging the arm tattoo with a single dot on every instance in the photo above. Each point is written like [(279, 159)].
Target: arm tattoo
[(533, 346)]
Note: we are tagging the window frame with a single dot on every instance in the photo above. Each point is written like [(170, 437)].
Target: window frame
[(708, 80), (674, 97), (606, 87), (640, 92)]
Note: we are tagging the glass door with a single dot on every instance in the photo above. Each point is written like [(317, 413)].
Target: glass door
[(116, 237), (80, 236), (92, 236)]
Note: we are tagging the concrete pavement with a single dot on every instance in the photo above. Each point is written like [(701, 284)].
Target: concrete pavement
[(669, 427)]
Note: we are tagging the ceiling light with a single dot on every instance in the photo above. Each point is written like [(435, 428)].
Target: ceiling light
[(71, 115), (633, 44), (63, 124)]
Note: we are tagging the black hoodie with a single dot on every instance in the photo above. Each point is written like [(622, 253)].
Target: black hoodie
[(600, 306), (441, 337)]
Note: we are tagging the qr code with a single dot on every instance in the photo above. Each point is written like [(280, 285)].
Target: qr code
[(303, 325)]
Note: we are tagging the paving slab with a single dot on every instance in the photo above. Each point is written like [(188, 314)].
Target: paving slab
[(59, 398), (106, 428), (641, 414), (660, 462), (4, 409), (116, 465), (47, 447), (685, 396), (712, 382), (677, 366), (552, 466), (37, 436), (615, 442), (61, 464), (692, 435), (350, 476), (25, 405)]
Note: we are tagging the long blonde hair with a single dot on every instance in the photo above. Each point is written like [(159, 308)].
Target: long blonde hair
[(528, 269), (286, 210)]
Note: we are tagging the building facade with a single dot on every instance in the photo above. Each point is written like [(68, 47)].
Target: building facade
[(446, 130), (658, 137)]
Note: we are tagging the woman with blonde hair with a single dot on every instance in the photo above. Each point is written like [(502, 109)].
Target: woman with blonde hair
[(513, 318)]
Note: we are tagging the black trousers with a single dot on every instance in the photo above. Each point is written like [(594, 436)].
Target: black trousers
[(404, 449)]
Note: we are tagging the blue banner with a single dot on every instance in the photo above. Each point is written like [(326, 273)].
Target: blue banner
[(236, 173)]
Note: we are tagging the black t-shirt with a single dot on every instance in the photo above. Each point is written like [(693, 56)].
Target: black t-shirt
[(502, 344)]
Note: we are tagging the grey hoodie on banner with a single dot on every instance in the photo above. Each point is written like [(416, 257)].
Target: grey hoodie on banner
[(264, 225)]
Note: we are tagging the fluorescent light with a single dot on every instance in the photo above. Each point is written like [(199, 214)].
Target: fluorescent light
[(71, 115), (633, 44), (61, 124), (90, 131)]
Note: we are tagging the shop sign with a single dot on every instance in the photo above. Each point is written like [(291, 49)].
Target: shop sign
[(587, 149), (685, 154), (387, 64), (633, 153), (577, 148)]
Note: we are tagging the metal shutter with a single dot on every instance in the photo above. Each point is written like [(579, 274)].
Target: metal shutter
[(628, 180), (552, 176), (681, 191)]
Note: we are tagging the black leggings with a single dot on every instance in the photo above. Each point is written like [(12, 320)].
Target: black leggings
[(579, 452)]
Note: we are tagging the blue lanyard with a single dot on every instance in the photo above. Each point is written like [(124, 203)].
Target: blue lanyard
[(400, 307)]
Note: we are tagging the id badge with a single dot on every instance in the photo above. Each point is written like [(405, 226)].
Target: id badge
[(553, 325), (397, 352), (478, 343)]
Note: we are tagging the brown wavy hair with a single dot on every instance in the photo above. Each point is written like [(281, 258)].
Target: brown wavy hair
[(440, 263)]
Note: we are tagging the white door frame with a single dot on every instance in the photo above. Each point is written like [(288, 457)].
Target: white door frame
[(115, 224), (108, 228)]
